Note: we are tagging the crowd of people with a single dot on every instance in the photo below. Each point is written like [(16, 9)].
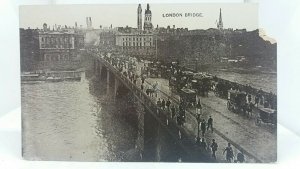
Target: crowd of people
[(178, 113)]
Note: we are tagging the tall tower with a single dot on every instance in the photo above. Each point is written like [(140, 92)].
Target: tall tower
[(91, 25), (220, 23), (45, 27), (87, 22), (139, 18), (147, 21)]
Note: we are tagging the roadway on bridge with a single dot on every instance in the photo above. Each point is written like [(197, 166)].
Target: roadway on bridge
[(257, 142)]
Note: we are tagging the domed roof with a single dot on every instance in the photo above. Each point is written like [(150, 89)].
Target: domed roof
[(147, 11)]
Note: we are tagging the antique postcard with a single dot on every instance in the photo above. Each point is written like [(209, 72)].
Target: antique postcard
[(148, 83)]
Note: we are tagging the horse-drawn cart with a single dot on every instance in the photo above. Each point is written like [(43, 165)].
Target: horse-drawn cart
[(188, 96), (266, 115), (237, 101)]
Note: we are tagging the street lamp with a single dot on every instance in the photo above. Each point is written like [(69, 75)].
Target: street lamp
[(198, 131)]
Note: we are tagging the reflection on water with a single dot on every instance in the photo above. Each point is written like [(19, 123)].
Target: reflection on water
[(68, 121)]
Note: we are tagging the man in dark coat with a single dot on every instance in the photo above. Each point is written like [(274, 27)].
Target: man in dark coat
[(210, 124), (163, 104), (168, 104), (214, 148), (229, 153), (203, 127)]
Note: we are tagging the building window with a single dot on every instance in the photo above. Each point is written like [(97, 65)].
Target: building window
[(144, 43), (133, 43), (133, 39)]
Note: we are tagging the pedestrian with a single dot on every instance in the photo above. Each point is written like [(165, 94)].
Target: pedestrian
[(179, 121), (168, 104), (173, 111), (203, 145), (229, 153), (210, 124), (182, 114), (214, 148), (163, 104), (142, 87), (240, 158), (203, 127), (159, 103), (143, 79), (256, 100), (179, 134), (198, 108)]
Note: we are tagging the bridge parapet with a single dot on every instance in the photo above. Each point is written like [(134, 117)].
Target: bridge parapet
[(184, 138)]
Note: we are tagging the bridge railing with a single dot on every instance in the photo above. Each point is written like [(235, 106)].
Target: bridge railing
[(186, 138)]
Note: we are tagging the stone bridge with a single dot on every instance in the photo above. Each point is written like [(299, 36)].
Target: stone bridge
[(159, 137)]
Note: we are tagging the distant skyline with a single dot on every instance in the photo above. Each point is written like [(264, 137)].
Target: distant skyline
[(234, 15)]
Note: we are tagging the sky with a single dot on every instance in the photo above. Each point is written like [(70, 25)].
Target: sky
[(235, 15)]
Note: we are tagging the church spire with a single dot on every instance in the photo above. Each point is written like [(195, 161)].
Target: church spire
[(220, 23)]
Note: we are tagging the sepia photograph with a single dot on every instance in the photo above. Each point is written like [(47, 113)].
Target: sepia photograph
[(190, 83)]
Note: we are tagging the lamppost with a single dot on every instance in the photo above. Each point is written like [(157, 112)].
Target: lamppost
[(198, 131)]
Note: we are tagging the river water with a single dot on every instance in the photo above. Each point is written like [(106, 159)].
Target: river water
[(267, 82), (69, 121)]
